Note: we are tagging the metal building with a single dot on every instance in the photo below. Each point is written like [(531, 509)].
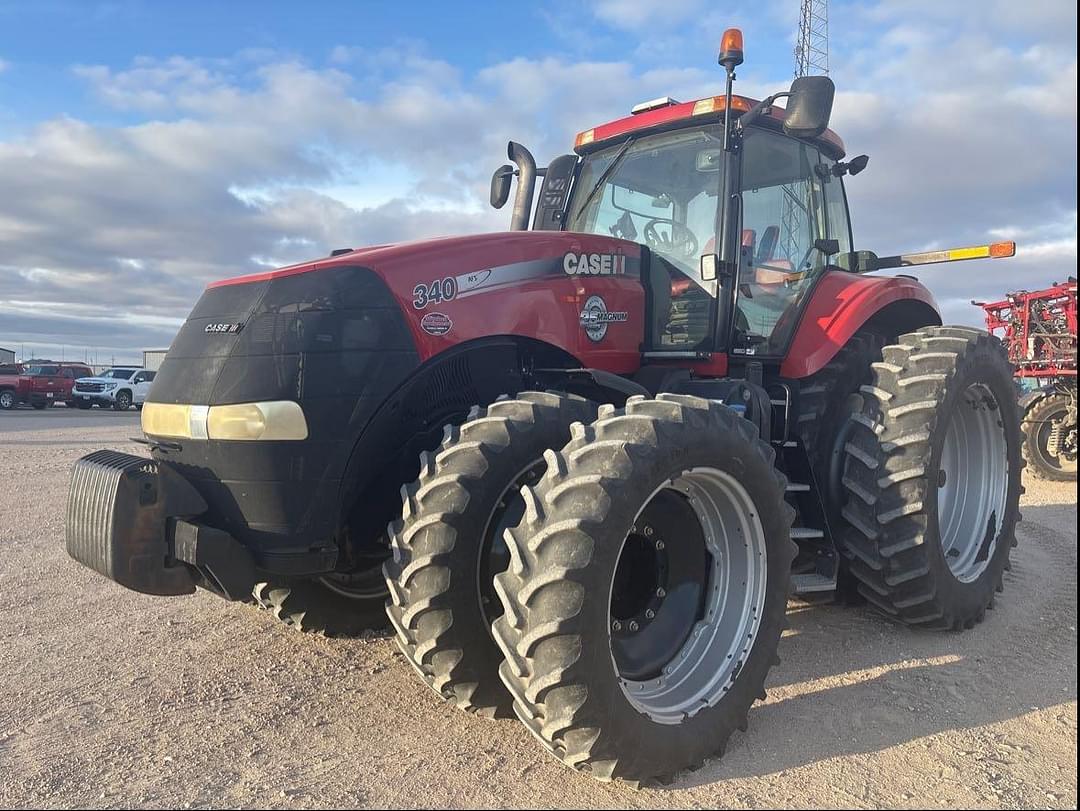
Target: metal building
[(7, 355), (152, 358)]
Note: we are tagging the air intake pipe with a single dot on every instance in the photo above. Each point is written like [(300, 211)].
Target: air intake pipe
[(523, 198)]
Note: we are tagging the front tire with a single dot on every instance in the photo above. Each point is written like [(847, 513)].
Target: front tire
[(625, 659), (448, 546), (122, 401), (7, 400), (933, 478)]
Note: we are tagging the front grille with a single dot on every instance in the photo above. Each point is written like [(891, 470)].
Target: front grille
[(90, 388)]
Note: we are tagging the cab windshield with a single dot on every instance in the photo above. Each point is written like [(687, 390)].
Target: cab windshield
[(118, 374), (662, 191)]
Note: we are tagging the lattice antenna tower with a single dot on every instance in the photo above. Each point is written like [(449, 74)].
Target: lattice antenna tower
[(812, 48), (811, 59)]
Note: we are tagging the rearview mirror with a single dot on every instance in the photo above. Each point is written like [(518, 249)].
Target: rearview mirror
[(708, 160), (809, 106), (500, 185)]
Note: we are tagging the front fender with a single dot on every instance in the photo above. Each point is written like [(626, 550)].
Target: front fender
[(842, 303)]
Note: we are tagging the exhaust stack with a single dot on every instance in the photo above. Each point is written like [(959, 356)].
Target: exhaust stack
[(523, 198)]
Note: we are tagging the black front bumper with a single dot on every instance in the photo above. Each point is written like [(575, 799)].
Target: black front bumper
[(134, 520)]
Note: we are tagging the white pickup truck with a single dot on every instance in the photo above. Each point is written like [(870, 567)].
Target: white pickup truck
[(120, 387)]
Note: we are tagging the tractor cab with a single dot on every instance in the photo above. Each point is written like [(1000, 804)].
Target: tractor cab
[(664, 189), (739, 203)]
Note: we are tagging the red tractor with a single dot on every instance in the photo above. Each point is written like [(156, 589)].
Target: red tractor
[(1039, 333), (620, 437)]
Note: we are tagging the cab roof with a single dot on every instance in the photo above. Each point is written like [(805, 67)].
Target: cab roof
[(701, 111)]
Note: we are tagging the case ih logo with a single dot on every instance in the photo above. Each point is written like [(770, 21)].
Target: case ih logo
[(594, 264), (436, 324), (596, 317), (228, 329)]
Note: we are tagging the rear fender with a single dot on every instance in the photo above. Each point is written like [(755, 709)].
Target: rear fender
[(842, 304)]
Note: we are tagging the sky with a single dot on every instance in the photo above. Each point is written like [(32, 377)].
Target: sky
[(149, 147)]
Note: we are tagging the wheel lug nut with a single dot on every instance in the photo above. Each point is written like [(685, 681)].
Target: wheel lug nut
[(633, 625), (616, 626), (649, 613), (648, 532), (659, 546), (661, 593)]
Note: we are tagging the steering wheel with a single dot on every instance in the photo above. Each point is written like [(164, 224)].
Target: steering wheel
[(680, 242)]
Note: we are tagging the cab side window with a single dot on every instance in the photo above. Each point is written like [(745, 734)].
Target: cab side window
[(836, 211)]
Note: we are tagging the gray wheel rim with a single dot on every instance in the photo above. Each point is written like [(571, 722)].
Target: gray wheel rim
[(7, 399), (972, 492), (704, 669), (490, 607)]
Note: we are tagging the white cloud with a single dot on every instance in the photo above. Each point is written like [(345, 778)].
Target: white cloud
[(265, 159)]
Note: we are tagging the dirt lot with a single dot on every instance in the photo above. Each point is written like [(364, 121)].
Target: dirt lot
[(110, 698)]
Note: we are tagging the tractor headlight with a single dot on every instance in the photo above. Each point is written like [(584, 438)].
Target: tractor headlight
[(281, 419), (276, 420)]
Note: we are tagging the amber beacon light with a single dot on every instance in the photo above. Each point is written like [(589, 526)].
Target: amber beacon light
[(731, 48)]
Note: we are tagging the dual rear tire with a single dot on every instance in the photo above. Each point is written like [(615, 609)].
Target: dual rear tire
[(642, 589)]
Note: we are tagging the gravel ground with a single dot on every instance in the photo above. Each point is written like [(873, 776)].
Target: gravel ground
[(115, 699)]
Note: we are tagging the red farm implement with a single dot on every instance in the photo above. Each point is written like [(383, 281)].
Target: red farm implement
[(1039, 332)]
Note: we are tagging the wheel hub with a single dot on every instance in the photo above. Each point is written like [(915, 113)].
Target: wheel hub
[(659, 586)]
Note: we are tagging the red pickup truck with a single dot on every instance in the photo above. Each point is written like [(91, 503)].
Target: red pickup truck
[(43, 384), (9, 384)]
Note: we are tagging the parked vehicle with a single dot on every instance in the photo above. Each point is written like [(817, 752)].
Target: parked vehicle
[(119, 388), (620, 438), (43, 385), (9, 385)]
